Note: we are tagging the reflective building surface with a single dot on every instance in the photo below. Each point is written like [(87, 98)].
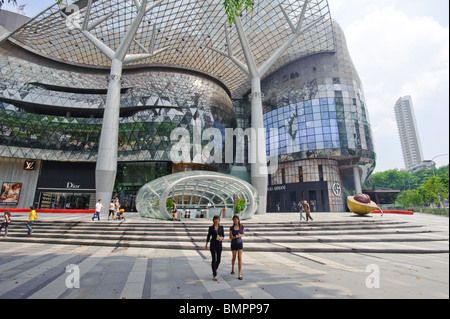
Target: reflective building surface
[(318, 108), (54, 84)]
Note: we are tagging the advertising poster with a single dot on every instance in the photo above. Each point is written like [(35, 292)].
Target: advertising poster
[(10, 193)]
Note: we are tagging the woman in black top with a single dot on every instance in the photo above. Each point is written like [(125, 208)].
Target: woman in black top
[(216, 235)]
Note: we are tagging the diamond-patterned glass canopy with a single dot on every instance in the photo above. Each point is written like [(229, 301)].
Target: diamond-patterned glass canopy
[(157, 103), (188, 27)]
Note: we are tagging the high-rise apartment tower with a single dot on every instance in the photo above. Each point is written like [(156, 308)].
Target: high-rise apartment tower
[(409, 134)]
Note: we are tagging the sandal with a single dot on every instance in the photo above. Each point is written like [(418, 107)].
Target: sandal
[(232, 273), (240, 278)]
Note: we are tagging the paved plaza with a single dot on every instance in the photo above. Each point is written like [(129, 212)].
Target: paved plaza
[(338, 255)]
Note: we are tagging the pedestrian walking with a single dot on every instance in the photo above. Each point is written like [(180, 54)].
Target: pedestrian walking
[(112, 208), (6, 222), (98, 209), (216, 236), (307, 210), (300, 210), (31, 218), (237, 245)]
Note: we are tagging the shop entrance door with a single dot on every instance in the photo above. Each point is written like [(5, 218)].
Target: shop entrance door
[(65, 201)]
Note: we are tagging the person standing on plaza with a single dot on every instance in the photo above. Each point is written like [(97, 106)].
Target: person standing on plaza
[(31, 218), (237, 245), (116, 206), (300, 209), (98, 209), (307, 210), (174, 211), (216, 235), (6, 222), (112, 208)]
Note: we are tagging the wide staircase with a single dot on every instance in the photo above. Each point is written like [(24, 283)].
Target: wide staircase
[(349, 236)]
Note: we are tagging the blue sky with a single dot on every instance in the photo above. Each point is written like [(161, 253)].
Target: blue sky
[(399, 47)]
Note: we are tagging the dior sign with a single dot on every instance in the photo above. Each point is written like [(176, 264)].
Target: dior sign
[(71, 185)]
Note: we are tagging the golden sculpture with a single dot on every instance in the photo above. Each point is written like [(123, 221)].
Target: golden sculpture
[(361, 204)]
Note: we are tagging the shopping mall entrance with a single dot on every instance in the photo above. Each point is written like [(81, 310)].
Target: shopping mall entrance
[(284, 198)]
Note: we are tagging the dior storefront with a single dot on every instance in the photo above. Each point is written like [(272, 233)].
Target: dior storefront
[(66, 185)]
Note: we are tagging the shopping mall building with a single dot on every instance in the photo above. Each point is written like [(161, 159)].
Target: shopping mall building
[(185, 69)]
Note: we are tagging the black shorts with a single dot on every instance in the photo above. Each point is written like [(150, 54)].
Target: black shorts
[(237, 246)]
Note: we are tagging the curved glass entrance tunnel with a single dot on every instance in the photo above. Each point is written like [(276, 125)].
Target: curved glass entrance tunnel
[(196, 194)]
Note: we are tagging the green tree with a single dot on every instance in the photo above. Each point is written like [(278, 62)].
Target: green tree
[(9, 1), (443, 173), (233, 8), (445, 180), (393, 179), (410, 197), (434, 191)]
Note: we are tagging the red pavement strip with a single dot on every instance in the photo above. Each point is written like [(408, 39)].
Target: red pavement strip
[(51, 211), (91, 211), (402, 212)]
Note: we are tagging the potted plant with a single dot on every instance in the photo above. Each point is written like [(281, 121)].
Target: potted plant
[(239, 205), (169, 204)]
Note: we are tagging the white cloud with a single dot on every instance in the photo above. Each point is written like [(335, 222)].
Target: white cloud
[(396, 55)]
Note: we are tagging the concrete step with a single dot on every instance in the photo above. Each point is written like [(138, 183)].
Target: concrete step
[(335, 236)]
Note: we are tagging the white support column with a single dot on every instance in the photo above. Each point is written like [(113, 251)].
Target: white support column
[(259, 173), (106, 168)]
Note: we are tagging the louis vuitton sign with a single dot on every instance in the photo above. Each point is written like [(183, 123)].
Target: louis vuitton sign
[(29, 165)]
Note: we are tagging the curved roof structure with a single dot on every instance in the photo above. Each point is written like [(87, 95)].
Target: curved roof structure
[(189, 28), (195, 190)]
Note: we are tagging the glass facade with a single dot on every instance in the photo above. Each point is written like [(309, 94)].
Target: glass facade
[(38, 121), (57, 116), (54, 83), (316, 112), (324, 126), (66, 201), (131, 176), (310, 125)]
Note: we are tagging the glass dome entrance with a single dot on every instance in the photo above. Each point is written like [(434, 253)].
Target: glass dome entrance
[(196, 191)]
